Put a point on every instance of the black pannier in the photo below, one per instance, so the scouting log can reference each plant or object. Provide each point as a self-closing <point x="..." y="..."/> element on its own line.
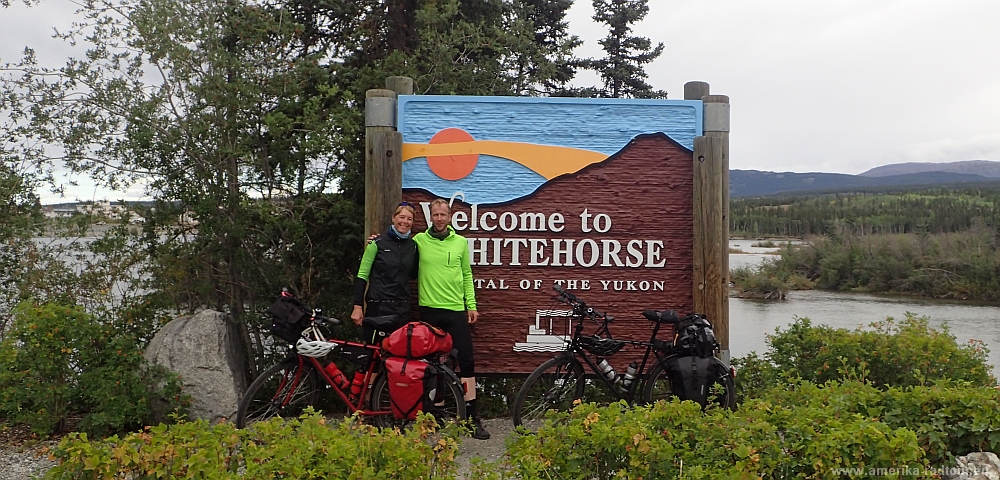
<point x="694" y="336"/>
<point x="289" y="318"/>
<point x="692" y="377"/>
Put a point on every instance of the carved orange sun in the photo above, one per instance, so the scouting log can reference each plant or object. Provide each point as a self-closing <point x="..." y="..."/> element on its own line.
<point x="452" y="167"/>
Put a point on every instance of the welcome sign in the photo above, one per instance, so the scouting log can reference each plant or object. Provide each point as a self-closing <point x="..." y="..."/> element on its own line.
<point x="594" y="195"/>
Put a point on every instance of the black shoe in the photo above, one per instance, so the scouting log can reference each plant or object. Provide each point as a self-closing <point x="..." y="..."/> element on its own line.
<point x="478" y="431"/>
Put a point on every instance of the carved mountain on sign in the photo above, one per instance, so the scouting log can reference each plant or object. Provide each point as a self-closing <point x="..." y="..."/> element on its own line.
<point x="616" y="233"/>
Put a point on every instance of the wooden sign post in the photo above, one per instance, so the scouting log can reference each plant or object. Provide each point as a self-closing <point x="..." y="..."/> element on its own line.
<point x="711" y="213"/>
<point x="383" y="147"/>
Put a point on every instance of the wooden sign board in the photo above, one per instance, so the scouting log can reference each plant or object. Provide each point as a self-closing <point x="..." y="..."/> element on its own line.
<point x="594" y="195"/>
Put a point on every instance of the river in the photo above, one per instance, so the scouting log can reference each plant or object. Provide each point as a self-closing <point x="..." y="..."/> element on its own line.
<point x="751" y="320"/>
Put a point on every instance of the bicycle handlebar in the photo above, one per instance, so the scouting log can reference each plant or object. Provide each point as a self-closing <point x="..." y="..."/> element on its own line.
<point x="316" y="317"/>
<point x="320" y="319"/>
<point x="571" y="299"/>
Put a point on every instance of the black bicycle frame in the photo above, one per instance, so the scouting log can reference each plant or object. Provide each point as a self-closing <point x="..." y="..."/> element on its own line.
<point x="629" y="394"/>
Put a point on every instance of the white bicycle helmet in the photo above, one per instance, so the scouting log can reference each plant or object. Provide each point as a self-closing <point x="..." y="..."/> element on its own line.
<point x="314" y="348"/>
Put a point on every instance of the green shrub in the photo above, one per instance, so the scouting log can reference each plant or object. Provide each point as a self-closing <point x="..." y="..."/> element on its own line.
<point x="57" y="362"/>
<point x="949" y="419"/>
<point x="765" y="287"/>
<point x="304" y="448"/>
<point x="960" y="265"/>
<point x="901" y="354"/>
<point x="677" y="440"/>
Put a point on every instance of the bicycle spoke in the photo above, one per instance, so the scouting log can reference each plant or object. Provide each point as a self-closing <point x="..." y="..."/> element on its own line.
<point x="284" y="390"/>
<point x="554" y="385"/>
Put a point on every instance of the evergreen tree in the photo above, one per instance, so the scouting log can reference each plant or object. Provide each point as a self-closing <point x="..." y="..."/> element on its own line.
<point x="252" y="117"/>
<point x="622" y="70"/>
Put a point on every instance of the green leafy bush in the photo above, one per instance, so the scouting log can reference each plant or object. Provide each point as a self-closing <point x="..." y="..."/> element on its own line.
<point x="949" y="419"/>
<point x="958" y="265"/>
<point x="751" y="284"/>
<point x="304" y="448"/>
<point x="677" y="440"/>
<point x="907" y="353"/>
<point x="57" y="362"/>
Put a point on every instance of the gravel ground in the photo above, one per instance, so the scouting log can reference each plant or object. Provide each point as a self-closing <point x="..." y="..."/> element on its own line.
<point x="30" y="459"/>
<point x="490" y="450"/>
<point x="24" y="462"/>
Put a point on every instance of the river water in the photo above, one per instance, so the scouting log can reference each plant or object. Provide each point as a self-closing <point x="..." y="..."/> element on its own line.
<point x="751" y="320"/>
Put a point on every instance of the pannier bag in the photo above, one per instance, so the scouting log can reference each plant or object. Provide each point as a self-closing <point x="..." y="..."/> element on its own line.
<point x="412" y="386"/>
<point x="417" y="340"/>
<point x="691" y="377"/>
<point x="694" y="336"/>
<point x="289" y="318"/>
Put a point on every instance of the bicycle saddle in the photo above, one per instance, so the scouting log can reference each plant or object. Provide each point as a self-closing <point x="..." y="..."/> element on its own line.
<point x="385" y="323"/>
<point x="661" y="316"/>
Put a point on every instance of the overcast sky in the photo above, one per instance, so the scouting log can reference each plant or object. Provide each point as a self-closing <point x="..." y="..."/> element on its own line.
<point x="815" y="86"/>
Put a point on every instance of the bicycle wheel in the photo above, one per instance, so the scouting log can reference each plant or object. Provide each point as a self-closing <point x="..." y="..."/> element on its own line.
<point x="449" y="407"/>
<point x="721" y="390"/>
<point x="284" y="390"/>
<point x="554" y="385"/>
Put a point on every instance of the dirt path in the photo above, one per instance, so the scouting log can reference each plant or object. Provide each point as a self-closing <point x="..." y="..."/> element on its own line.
<point x="492" y="449"/>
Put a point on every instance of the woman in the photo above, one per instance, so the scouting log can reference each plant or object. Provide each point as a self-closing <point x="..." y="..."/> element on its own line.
<point x="387" y="266"/>
<point x="383" y="283"/>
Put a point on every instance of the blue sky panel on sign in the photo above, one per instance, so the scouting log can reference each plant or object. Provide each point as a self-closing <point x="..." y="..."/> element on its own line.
<point x="569" y="133"/>
<point x="601" y="125"/>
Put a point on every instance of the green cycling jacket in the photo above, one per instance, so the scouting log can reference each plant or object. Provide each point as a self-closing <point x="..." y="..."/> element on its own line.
<point x="444" y="274"/>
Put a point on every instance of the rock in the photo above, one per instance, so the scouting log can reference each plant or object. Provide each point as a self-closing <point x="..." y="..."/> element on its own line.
<point x="974" y="466"/>
<point x="204" y="349"/>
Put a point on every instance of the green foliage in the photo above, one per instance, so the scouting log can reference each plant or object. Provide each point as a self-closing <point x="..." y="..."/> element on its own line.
<point x="623" y="69"/>
<point x="800" y="430"/>
<point x="933" y="210"/>
<point x="949" y="419"/>
<point x="677" y="440"/>
<point x="904" y="354"/>
<point x="752" y="284"/>
<point x="250" y="120"/>
<point x="304" y="448"/>
<point x="20" y="219"/>
<point x="58" y="362"/>
<point x="956" y="265"/>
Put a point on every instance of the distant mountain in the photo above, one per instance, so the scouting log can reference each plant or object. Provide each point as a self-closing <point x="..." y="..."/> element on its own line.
<point x="755" y="183"/>
<point x="985" y="168"/>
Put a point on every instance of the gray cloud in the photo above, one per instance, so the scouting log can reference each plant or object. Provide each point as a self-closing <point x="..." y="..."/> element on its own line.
<point x="815" y="86"/>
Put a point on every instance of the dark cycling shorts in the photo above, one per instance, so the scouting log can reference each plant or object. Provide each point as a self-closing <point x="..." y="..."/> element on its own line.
<point x="457" y="324"/>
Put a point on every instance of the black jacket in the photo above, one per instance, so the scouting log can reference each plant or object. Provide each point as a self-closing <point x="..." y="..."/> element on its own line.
<point x="394" y="265"/>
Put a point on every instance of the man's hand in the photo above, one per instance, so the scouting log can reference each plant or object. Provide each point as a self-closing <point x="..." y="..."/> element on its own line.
<point x="357" y="315"/>
<point x="473" y="316"/>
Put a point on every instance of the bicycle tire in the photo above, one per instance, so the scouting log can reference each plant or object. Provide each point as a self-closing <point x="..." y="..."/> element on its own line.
<point x="284" y="390"/>
<point x="554" y="385"/>
<point x="722" y="392"/>
<point x="448" y="383"/>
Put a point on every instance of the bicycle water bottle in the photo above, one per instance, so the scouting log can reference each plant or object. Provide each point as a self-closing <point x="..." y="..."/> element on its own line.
<point x="630" y="374"/>
<point x="607" y="369"/>
<point x="357" y="384"/>
<point x="338" y="377"/>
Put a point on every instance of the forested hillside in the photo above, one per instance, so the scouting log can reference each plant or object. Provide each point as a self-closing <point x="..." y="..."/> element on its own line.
<point x="936" y="210"/>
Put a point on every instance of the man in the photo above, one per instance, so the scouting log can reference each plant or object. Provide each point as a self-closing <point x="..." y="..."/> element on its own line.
<point x="447" y="298"/>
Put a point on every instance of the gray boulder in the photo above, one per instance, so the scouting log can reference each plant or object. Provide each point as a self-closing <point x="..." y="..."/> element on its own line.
<point x="204" y="349"/>
<point x="974" y="466"/>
